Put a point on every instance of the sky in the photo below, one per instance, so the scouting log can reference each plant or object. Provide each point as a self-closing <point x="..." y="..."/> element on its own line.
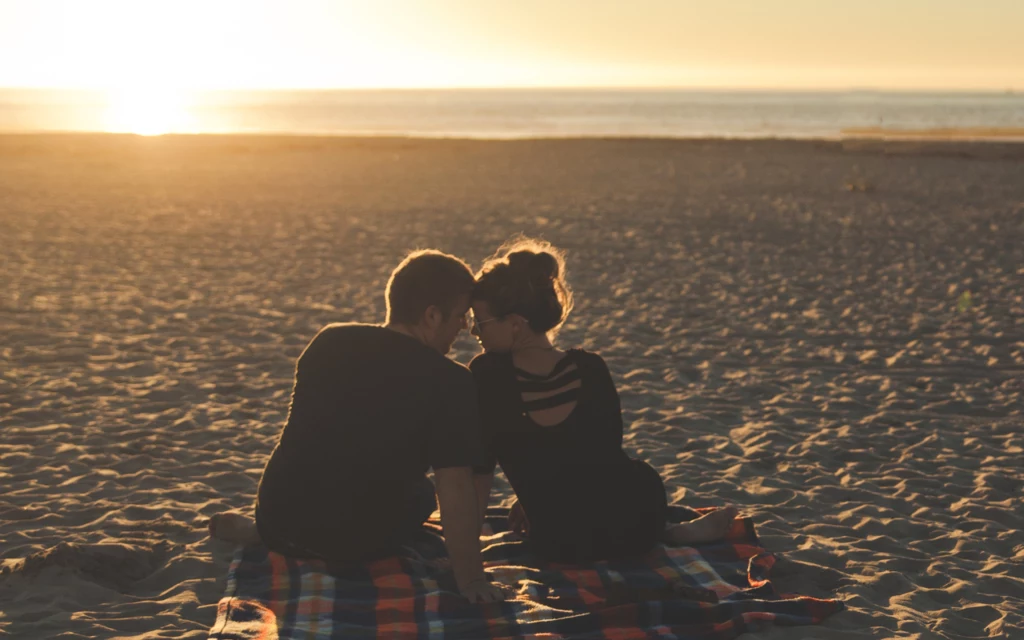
<point x="746" y="44"/>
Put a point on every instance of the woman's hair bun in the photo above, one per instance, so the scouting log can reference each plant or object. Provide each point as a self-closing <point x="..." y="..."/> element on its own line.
<point x="538" y="265"/>
<point x="527" y="276"/>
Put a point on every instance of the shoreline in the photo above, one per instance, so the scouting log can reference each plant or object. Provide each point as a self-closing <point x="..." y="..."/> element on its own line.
<point x="929" y="136"/>
<point x="90" y="143"/>
<point x="991" y="148"/>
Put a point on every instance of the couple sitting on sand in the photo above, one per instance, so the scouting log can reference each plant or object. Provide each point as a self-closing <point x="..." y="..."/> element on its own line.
<point x="375" y="407"/>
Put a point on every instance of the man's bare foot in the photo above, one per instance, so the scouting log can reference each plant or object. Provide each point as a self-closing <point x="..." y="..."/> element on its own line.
<point x="708" y="528"/>
<point x="234" y="527"/>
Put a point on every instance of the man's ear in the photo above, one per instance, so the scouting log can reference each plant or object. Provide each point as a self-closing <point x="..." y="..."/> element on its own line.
<point x="434" y="317"/>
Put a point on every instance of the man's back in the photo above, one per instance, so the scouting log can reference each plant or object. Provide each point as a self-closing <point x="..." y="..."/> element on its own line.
<point x="372" y="410"/>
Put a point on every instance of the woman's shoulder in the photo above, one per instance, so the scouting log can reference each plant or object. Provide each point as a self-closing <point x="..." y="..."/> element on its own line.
<point x="485" y="363"/>
<point x="587" y="359"/>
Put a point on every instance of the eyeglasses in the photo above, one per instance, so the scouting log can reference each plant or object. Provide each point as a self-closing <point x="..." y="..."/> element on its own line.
<point x="478" y="323"/>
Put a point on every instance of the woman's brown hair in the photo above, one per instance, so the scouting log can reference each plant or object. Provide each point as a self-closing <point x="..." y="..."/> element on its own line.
<point x="526" y="277"/>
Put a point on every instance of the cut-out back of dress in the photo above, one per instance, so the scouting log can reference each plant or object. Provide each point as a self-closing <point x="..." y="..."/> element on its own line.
<point x="550" y="399"/>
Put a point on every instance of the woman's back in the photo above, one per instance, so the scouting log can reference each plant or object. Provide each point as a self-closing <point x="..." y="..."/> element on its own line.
<point x="549" y="384"/>
<point x="568" y="416"/>
<point x="569" y="474"/>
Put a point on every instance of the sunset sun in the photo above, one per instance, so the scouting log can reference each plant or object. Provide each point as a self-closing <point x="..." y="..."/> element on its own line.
<point x="148" y="111"/>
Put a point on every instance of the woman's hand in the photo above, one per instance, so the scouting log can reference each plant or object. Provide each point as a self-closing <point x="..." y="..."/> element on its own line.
<point x="517" y="520"/>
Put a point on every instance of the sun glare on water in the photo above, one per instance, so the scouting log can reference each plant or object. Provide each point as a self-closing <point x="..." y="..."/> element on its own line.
<point x="147" y="111"/>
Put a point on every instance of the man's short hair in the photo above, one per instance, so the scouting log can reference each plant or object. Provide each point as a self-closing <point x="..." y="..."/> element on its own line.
<point x="424" y="279"/>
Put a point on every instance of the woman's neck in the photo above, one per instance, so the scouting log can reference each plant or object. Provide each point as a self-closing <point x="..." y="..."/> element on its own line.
<point x="536" y="354"/>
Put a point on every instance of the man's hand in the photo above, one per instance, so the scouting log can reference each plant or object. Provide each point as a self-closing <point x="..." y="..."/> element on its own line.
<point x="482" y="590"/>
<point x="517" y="520"/>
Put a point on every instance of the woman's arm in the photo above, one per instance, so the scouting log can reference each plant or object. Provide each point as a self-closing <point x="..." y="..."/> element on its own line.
<point x="607" y="397"/>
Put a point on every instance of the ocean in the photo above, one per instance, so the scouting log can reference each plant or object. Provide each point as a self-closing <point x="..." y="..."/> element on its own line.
<point x="501" y="113"/>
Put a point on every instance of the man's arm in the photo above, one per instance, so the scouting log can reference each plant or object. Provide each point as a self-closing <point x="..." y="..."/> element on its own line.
<point x="456" y="495"/>
<point x="483" y="483"/>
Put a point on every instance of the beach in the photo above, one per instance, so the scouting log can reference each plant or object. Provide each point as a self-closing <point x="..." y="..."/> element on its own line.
<point x="827" y="334"/>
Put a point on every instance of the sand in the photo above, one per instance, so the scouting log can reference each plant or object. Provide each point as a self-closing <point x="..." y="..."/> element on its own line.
<point x="829" y="335"/>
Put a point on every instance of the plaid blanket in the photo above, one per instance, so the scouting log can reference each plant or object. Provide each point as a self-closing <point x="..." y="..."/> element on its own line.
<point x="669" y="593"/>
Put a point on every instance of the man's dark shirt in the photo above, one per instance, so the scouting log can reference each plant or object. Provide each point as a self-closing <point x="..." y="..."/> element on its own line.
<point x="372" y="409"/>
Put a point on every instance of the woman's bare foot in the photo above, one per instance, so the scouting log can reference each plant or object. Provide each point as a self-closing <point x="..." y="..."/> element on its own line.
<point x="234" y="527"/>
<point x="708" y="528"/>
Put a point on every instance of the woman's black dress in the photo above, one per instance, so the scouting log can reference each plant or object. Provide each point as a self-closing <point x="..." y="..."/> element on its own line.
<point x="586" y="500"/>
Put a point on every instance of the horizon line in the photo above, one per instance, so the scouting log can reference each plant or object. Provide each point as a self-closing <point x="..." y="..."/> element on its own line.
<point x="539" y="88"/>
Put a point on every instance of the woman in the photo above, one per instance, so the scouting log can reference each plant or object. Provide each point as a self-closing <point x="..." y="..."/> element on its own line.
<point x="552" y="420"/>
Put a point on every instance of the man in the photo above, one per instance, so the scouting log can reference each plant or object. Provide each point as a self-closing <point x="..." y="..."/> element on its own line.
<point x="373" y="407"/>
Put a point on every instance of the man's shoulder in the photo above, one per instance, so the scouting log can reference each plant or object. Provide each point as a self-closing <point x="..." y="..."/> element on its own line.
<point x="336" y="335"/>
<point x="350" y="328"/>
<point x="341" y="331"/>
<point x="453" y="368"/>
